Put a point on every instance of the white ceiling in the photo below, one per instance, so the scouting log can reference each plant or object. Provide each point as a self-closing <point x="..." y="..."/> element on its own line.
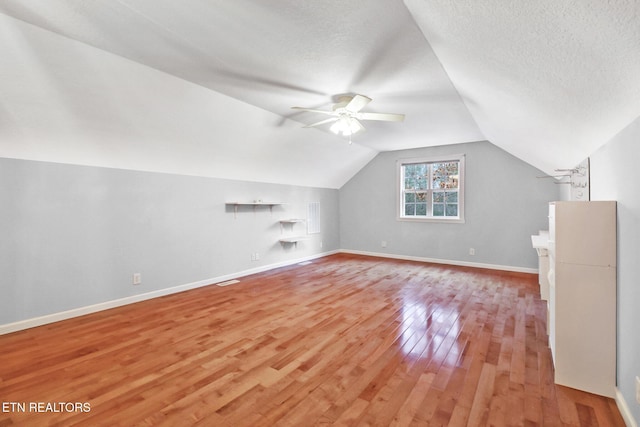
<point x="548" y="81"/>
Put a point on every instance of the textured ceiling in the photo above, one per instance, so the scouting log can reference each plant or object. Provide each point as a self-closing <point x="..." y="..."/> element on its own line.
<point x="548" y="81"/>
<point x="278" y="55"/>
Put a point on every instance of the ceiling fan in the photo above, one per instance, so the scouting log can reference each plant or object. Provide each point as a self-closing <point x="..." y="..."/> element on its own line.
<point x="346" y="115"/>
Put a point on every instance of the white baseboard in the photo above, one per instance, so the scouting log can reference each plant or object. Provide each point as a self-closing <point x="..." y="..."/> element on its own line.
<point x="444" y="261"/>
<point x="81" y="311"/>
<point x="624" y="410"/>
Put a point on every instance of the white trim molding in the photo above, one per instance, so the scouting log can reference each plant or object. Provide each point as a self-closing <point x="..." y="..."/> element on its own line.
<point x="624" y="410"/>
<point x="81" y="311"/>
<point x="444" y="261"/>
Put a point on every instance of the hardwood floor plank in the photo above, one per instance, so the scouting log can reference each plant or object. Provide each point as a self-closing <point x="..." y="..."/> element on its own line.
<point x="346" y="340"/>
<point x="483" y="396"/>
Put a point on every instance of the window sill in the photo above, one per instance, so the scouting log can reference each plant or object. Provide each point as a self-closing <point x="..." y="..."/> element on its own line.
<point x="432" y="219"/>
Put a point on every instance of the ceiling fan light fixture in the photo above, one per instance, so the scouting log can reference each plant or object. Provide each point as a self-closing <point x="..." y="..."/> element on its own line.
<point x="346" y="126"/>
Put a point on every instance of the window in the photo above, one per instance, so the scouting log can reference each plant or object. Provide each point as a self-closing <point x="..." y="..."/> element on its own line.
<point x="432" y="189"/>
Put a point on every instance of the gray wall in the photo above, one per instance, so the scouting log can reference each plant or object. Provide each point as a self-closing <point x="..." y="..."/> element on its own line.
<point x="73" y="236"/>
<point x="615" y="176"/>
<point x="504" y="204"/>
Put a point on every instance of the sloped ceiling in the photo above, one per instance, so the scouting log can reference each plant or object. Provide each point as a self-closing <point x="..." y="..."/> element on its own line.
<point x="63" y="101"/>
<point x="205" y="87"/>
<point x="549" y="81"/>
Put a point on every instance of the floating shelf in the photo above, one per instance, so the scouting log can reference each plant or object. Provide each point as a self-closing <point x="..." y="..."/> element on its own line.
<point x="254" y="204"/>
<point x="291" y="222"/>
<point x="293" y="240"/>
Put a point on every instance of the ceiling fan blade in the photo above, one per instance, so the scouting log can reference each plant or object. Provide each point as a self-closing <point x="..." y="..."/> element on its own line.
<point x="311" y="110"/>
<point x="357" y="103"/>
<point x="332" y="119"/>
<point x="387" y="117"/>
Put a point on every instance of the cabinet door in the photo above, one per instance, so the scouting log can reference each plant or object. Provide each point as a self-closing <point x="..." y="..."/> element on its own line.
<point x="585" y="328"/>
<point x="585" y="233"/>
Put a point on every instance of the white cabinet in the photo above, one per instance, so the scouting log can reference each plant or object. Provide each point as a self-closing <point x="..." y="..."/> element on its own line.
<point x="582" y="295"/>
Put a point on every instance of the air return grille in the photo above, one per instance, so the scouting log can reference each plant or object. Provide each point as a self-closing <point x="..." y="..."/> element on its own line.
<point x="227" y="283"/>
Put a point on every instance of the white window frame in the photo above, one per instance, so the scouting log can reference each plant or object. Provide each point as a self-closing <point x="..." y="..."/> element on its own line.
<point x="429" y="217"/>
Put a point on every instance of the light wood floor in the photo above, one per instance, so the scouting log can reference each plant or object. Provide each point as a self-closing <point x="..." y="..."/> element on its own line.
<point x="347" y="340"/>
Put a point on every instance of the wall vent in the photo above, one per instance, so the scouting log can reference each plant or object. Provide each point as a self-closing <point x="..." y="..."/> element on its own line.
<point x="227" y="283"/>
<point x="313" y="218"/>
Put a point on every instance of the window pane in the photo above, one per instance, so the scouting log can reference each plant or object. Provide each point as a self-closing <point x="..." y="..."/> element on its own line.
<point x="452" y="182"/>
<point x="438" y="197"/>
<point x="445" y="175"/>
<point x="451" y="196"/>
<point x="439" y="175"/>
<point x="409" y="177"/>
<point x="422" y="175"/>
<point x="415" y="204"/>
<point x="424" y="171"/>
<point x="415" y="176"/>
<point x="452" y="210"/>
<point x="438" y="209"/>
<point x="452" y="175"/>
<point x="409" y="210"/>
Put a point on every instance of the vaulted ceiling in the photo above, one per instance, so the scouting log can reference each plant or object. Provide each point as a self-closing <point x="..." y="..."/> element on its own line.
<point x="205" y="87"/>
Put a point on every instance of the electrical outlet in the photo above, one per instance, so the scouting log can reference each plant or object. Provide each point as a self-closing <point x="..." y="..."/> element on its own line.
<point x="472" y="251"/>
<point x="638" y="389"/>
<point x="257" y="256"/>
<point x="383" y="244"/>
<point x="137" y="278"/>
